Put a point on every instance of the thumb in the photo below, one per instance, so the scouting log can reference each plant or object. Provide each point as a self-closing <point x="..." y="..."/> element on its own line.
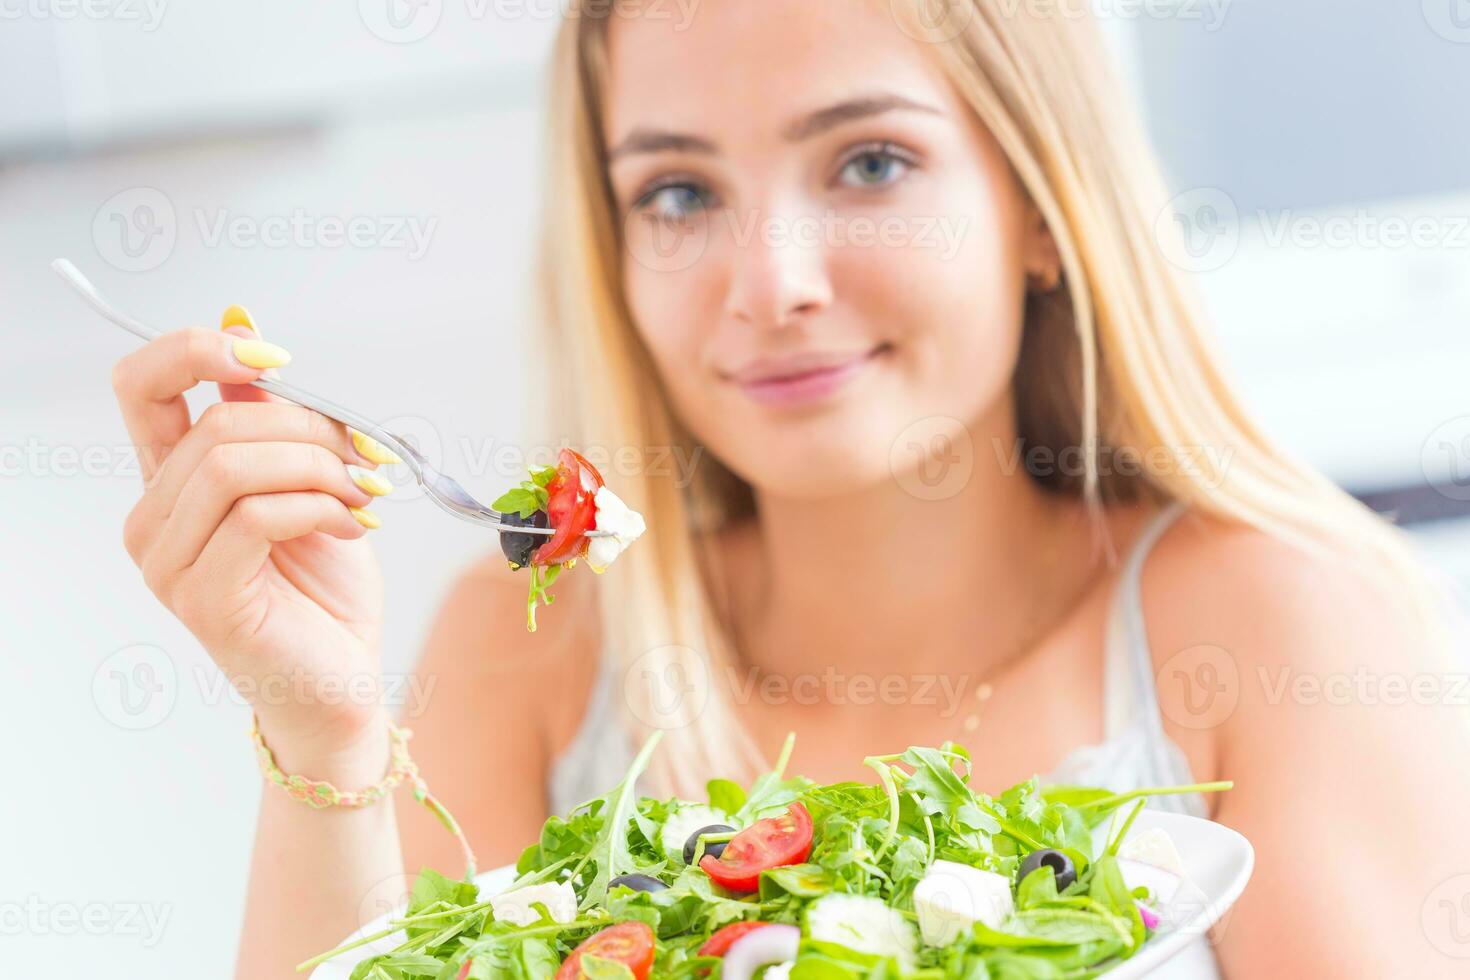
<point x="237" y="322"/>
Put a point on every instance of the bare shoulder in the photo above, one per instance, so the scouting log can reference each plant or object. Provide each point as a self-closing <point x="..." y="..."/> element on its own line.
<point x="483" y="617"/>
<point x="1269" y="601"/>
<point x="1248" y="633"/>
<point x="500" y="703"/>
<point x="1312" y="682"/>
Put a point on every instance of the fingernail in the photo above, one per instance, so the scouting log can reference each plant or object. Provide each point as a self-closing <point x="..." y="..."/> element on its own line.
<point x="369" y="482"/>
<point x="366" y="518"/>
<point x="260" y="354"/>
<point x="372" y="450"/>
<point x="238" y="316"/>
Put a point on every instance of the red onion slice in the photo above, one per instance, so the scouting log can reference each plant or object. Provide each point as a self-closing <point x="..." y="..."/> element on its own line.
<point x="1150" y="917"/>
<point x="758" y="948"/>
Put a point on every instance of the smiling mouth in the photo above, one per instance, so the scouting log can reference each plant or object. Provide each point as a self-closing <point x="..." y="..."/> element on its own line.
<point x="805" y="379"/>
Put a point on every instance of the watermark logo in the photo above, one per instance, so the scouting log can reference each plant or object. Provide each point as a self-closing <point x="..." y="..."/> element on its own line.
<point x="1445" y="458"/>
<point x="400" y="21"/>
<point x="665" y="243"/>
<point x="136" y="687"/>
<point x="667" y="687"/>
<point x="1199" y="687"/>
<point x="933" y="458"/>
<point x="135" y="230"/>
<point x="1445" y="916"/>
<point x="1199" y="230"/>
<point x="932" y="21"/>
<point x="1450" y="19"/>
<point x="423" y="436"/>
<point x="389" y="896"/>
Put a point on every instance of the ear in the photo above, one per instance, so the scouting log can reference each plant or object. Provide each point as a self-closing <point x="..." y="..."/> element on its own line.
<point x="1042" y="261"/>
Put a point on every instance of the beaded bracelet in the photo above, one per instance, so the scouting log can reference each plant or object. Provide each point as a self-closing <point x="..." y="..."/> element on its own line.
<point x="320" y="794"/>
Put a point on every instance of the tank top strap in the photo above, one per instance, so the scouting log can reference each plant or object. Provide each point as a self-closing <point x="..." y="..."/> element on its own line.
<point x="1129" y="693"/>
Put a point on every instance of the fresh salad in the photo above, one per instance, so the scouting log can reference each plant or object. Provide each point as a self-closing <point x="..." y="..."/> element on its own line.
<point x="571" y="499"/>
<point x="916" y="876"/>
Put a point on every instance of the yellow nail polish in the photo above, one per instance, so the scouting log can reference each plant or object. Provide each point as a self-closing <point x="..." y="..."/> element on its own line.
<point x="370" y="482"/>
<point x="366" y="518"/>
<point x="260" y="354"/>
<point x="373" y="450"/>
<point x="238" y="316"/>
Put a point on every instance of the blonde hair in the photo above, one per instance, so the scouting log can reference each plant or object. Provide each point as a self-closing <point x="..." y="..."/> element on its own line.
<point x="1137" y="371"/>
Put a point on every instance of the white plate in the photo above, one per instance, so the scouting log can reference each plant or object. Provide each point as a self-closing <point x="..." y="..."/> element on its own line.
<point x="1217" y="859"/>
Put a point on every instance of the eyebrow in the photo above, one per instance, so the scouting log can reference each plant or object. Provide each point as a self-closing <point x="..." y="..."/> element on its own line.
<point x="657" y="140"/>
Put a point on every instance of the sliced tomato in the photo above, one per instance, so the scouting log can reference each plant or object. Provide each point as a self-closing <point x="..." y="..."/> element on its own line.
<point x="770" y="843"/>
<point x="571" y="509"/>
<point x="719" y="944"/>
<point x="464" y="970"/>
<point x="628" y="943"/>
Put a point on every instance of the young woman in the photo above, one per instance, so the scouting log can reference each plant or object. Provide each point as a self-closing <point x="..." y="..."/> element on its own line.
<point x="968" y="469"/>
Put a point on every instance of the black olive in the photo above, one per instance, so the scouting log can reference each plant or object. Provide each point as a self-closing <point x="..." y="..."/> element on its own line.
<point x="1061" y="866"/>
<point x="517" y="548"/>
<point x="712" y="848"/>
<point x="639" y="883"/>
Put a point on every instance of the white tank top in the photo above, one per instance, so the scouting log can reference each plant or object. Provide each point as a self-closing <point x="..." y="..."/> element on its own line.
<point x="1135" y="751"/>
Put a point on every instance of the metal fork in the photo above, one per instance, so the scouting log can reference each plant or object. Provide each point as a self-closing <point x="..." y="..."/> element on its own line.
<point x="441" y="489"/>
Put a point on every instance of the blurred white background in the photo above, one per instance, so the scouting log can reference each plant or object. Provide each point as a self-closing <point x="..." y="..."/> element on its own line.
<point x="188" y="157"/>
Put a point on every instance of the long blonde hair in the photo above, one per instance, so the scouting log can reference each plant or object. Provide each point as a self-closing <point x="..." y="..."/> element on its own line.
<point x="1115" y="361"/>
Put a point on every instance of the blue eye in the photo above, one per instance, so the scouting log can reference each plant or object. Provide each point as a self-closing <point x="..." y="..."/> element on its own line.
<point x="875" y="167"/>
<point x="672" y="202"/>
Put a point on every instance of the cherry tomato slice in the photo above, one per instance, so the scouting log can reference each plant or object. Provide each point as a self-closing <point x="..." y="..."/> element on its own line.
<point x="770" y="843"/>
<point x="571" y="509"/>
<point x="719" y="944"/>
<point x="628" y="943"/>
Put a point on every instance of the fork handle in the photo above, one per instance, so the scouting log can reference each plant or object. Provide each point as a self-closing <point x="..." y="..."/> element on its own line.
<point x="275" y="386"/>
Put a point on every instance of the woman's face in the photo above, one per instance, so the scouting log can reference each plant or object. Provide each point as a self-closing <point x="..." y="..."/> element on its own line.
<point x="824" y="247"/>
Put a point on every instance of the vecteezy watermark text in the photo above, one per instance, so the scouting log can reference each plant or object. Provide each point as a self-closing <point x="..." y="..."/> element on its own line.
<point x="36" y="916"/>
<point x="148" y="14"/>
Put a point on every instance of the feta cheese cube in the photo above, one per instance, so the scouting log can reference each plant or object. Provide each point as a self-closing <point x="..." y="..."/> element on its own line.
<point x="625" y="524"/>
<point x="1153" y="847"/>
<point x="951" y="897"/>
<point x="515" y="907"/>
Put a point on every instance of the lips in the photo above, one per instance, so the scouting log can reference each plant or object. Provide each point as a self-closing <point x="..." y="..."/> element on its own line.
<point x="803" y="378"/>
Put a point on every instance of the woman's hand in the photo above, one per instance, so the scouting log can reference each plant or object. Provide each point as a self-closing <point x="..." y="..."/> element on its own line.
<point x="250" y="531"/>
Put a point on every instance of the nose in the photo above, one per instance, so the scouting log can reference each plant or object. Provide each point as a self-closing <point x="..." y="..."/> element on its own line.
<point x="779" y="274"/>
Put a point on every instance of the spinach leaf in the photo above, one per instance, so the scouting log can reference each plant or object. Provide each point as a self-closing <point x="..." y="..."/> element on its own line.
<point x="725" y="795"/>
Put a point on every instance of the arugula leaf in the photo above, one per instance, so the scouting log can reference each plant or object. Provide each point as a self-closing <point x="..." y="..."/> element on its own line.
<point x="609" y="852"/>
<point x="542" y="577"/>
<point x="772" y="792"/>
<point x="941" y="792"/>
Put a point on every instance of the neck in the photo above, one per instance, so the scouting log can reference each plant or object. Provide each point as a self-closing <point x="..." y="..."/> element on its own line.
<point x="880" y="576"/>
